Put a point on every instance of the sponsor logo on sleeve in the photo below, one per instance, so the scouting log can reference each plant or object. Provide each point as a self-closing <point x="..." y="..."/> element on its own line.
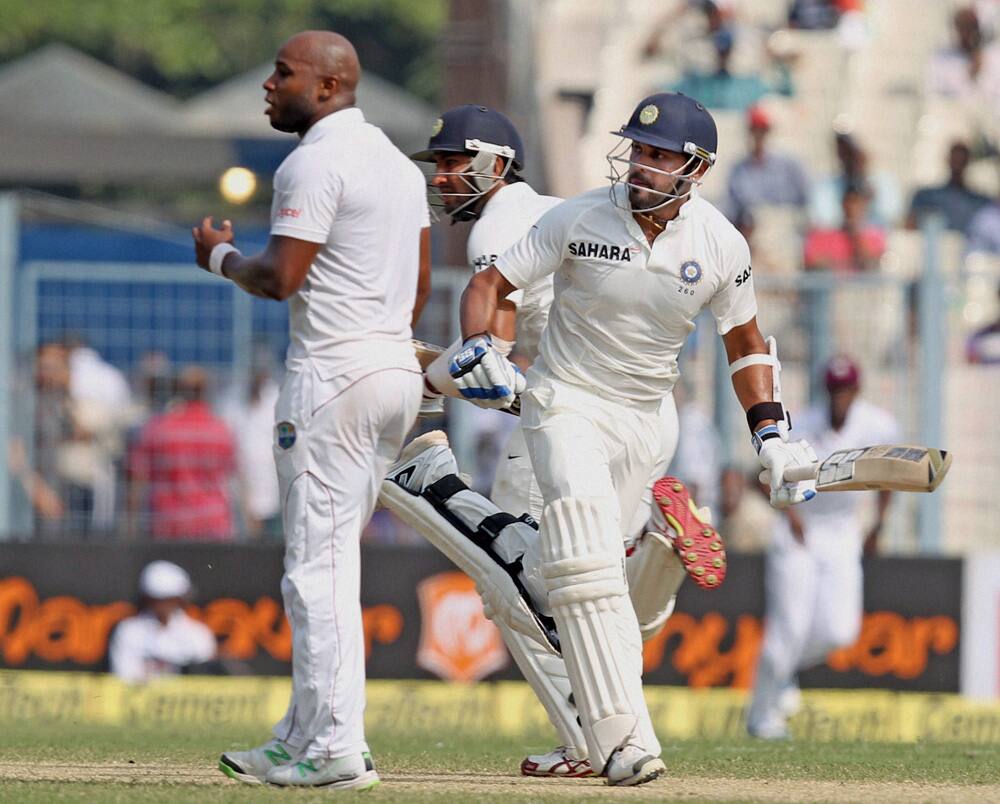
<point x="743" y="277"/>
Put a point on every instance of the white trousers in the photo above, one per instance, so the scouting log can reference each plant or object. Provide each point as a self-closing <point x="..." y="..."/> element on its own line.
<point x="814" y="606"/>
<point x="334" y="444"/>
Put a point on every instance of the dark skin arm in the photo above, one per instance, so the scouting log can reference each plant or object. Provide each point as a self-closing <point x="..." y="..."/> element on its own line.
<point x="424" y="277"/>
<point x="871" y="539"/>
<point x="276" y="273"/>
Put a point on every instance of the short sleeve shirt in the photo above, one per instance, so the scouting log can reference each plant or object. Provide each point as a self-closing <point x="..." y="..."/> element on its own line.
<point x="508" y="214"/>
<point x="347" y="187"/>
<point x="623" y="309"/>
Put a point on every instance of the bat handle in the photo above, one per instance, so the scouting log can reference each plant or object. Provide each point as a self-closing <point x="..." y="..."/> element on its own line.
<point x="795" y="474"/>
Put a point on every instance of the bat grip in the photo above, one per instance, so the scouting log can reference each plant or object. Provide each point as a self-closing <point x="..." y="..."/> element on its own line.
<point x="795" y="474"/>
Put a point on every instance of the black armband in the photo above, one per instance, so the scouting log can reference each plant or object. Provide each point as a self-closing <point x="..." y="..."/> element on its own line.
<point x="767" y="410"/>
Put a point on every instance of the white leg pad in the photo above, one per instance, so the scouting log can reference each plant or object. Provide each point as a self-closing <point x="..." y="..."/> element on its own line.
<point x="655" y="573"/>
<point x="583" y="565"/>
<point x="545" y="671"/>
<point x="501" y="597"/>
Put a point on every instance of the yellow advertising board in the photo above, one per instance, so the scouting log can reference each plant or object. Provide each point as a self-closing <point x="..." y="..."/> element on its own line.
<point x="506" y="707"/>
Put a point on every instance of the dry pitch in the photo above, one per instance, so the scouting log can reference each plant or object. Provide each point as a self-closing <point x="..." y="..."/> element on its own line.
<point x="87" y="763"/>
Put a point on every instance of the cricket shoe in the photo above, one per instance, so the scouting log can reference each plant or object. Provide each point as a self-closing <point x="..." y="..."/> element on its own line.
<point x="424" y="460"/>
<point x="252" y="766"/>
<point x="351" y="772"/>
<point x="695" y="540"/>
<point x="630" y="765"/>
<point x="773" y="730"/>
<point x="558" y="762"/>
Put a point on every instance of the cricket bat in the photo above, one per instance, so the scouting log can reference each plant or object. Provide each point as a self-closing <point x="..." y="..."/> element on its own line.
<point x="888" y="467"/>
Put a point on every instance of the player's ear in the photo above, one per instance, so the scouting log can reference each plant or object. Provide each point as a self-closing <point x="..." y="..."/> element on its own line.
<point x="328" y="87"/>
<point x="498" y="166"/>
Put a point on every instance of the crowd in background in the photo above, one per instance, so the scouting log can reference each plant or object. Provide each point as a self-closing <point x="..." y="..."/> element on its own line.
<point x="171" y="453"/>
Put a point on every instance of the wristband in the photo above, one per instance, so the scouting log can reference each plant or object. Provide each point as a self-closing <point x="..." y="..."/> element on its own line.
<point x="219" y="253"/>
<point x="765" y="410"/>
<point x="765" y="433"/>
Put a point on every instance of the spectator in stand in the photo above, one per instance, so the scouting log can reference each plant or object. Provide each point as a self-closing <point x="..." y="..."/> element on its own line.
<point x="855" y="246"/>
<point x="814" y="15"/>
<point x="723" y="90"/>
<point x="984" y="230"/>
<point x="984" y="345"/>
<point x="970" y="70"/>
<point x="746" y="517"/>
<point x="697" y="459"/>
<point x="826" y="209"/>
<point x="258" y="475"/>
<point x="765" y="177"/>
<point x="161" y="639"/>
<point x="183" y="466"/>
<point x="952" y="200"/>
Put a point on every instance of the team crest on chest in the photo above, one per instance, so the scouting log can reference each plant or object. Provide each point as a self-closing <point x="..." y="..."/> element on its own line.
<point x="691" y="273"/>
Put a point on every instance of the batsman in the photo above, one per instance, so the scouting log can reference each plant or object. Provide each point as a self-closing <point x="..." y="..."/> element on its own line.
<point x="633" y="267"/>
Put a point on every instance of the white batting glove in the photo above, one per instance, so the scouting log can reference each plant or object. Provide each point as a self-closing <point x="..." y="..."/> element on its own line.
<point x="777" y="456"/>
<point x="484" y="376"/>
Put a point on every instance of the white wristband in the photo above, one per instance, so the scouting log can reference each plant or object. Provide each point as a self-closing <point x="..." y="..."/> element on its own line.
<point x="218" y="255"/>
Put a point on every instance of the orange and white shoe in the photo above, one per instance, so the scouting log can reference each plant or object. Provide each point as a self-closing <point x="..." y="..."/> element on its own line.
<point x="557" y="763"/>
<point x="696" y="541"/>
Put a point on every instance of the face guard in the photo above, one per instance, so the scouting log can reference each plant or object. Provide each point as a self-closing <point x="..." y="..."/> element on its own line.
<point x="478" y="177"/>
<point x="685" y="179"/>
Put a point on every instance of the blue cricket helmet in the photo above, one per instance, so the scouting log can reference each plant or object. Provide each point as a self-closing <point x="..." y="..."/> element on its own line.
<point x="464" y="129"/>
<point x="673" y="122"/>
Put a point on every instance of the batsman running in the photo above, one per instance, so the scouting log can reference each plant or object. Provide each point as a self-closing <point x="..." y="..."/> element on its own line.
<point x="632" y="270"/>
<point x="477" y="155"/>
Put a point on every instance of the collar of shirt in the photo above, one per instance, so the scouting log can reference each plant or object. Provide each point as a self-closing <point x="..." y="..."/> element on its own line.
<point x="350" y="116"/>
<point x="507" y="196"/>
<point x="633" y="227"/>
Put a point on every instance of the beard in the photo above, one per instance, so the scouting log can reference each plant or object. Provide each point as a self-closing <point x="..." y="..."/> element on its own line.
<point x="293" y="117"/>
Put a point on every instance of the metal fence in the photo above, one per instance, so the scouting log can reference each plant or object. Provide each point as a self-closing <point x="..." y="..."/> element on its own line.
<point x="906" y="328"/>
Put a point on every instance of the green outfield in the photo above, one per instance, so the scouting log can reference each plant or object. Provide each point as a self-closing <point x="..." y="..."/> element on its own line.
<point x="104" y="763"/>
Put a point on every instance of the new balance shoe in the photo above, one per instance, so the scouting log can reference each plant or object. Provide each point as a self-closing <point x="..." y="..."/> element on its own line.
<point x="559" y="763"/>
<point x="351" y="772"/>
<point x="631" y="764"/>
<point x="425" y="459"/>
<point x="696" y="540"/>
<point x="252" y="766"/>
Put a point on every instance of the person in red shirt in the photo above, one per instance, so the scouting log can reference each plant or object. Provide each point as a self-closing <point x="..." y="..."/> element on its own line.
<point x="856" y="246"/>
<point x="182" y="468"/>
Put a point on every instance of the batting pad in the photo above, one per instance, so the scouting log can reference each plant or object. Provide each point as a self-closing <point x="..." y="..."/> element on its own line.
<point x="546" y="672"/>
<point x="583" y="566"/>
<point x="500" y="595"/>
<point x="655" y="573"/>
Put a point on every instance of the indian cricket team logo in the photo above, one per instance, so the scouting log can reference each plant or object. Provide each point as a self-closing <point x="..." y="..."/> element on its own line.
<point x="286" y="434"/>
<point x="691" y="273"/>
<point x="438" y="125"/>
<point x="649" y="114"/>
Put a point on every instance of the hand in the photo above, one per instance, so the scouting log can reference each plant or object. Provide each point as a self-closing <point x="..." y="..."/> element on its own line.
<point x="484" y="376"/>
<point x="776" y="456"/>
<point x="207" y="237"/>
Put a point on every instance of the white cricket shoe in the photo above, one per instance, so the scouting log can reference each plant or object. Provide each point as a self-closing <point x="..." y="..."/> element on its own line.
<point x="558" y="762"/>
<point x="774" y="729"/>
<point x="631" y="765"/>
<point x="351" y="772"/>
<point x="425" y="459"/>
<point x="252" y="766"/>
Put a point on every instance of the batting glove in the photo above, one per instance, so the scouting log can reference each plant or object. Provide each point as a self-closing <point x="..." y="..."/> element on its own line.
<point x="484" y="376"/>
<point x="777" y="456"/>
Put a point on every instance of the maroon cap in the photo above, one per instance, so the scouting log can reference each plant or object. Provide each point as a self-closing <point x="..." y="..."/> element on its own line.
<point x="842" y="372"/>
<point x="757" y="117"/>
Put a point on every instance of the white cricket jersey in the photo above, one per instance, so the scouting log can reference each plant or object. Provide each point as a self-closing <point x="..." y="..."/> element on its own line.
<point x="348" y="187"/>
<point x="866" y="425"/>
<point x="623" y="309"/>
<point x="142" y="647"/>
<point x="505" y="219"/>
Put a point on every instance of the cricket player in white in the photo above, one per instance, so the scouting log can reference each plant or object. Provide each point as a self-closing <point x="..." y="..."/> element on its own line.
<point x="477" y="153"/>
<point x="347" y="251"/>
<point x="813" y="581"/>
<point x="632" y="271"/>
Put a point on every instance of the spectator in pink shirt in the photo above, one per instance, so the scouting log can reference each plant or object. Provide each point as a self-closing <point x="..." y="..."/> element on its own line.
<point x="855" y="246"/>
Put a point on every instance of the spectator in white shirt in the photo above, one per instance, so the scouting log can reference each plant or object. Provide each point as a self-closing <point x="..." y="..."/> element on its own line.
<point x="161" y="639"/>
